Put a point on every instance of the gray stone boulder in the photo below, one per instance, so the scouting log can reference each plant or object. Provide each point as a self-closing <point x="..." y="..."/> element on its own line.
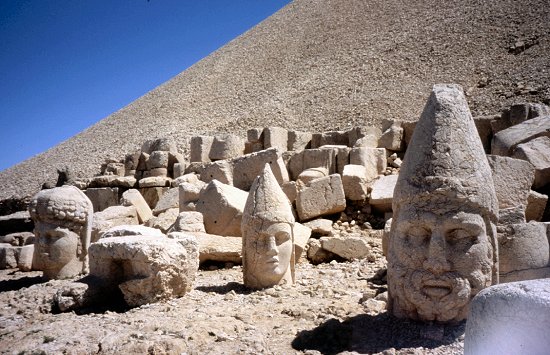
<point x="505" y="142"/>
<point x="321" y="197"/>
<point x="536" y="152"/>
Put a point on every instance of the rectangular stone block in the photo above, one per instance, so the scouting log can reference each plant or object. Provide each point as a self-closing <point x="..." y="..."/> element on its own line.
<point x="373" y="159"/>
<point x="312" y="158"/>
<point x="275" y="137"/>
<point x="134" y="198"/>
<point x="221" y="170"/>
<point x="381" y="196"/>
<point x="152" y="195"/>
<point x="8" y="256"/>
<point x="102" y="197"/>
<point x="157" y="159"/>
<point x="24" y="263"/>
<point x="364" y="136"/>
<point x="341" y="155"/>
<point x="505" y="141"/>
<point x="392" y="138"/>
<point x="485" y="131"/>
<point x="226" y="146"/>
<point x="247" y="167"/>
<point x="200" y="148"/>
<point x="536" y="204"/>
<point x="167" y="201"/>
<point x="321" y="197"/>
<point x="298" y="140"/>
<point x="536" y="152"/>
<point x="329" y="138"/>
<point x="512" y="178"/>
<point x="354" y="179"/>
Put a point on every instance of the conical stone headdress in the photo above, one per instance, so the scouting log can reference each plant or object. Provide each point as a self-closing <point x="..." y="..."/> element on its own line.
<point x="445" y="159"/>
<point x="267" y="201"/>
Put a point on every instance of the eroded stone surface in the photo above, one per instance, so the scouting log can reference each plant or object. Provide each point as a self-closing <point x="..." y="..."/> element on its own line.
<point x="321" y="197"/>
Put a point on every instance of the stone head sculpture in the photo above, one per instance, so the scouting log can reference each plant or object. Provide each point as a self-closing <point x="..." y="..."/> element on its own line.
<point x="63" y="225"/>
<point x="442" y="248"/>
<point x="268" y="234"/>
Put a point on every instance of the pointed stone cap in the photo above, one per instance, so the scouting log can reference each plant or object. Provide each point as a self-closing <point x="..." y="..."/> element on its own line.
<point x="267" y="201"/>
<point x="445" y="160"/>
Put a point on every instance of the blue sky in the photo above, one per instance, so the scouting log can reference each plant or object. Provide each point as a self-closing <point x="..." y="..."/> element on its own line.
<point x="65" y="65"/>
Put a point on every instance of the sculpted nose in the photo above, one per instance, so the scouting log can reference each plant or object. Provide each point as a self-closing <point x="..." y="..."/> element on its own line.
<point x="437" y="262"/>
<point x="271" y="246"/>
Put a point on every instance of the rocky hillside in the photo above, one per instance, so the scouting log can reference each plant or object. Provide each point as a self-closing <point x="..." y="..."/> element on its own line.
<point x="326" y="64"/>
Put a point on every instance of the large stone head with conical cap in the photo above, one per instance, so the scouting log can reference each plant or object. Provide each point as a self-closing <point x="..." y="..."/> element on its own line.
<point x="268" y="228"/>
<point x="442" y="249"/>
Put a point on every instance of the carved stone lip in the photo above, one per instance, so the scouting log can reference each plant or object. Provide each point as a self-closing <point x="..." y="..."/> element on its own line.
<point x="436" y="288"/>
<point x="273" y="260"/>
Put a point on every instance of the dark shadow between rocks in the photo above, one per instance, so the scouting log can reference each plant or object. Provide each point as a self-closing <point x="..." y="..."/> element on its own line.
<point x="224" y="289"/>
<point x="372" y="334"/>
<point x="14" y="285"/>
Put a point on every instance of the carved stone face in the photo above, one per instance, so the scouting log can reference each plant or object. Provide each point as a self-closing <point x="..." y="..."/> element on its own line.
<point x="268" y="253"/>
<point x="57" y="251"/>
<point x="437" y="262"/>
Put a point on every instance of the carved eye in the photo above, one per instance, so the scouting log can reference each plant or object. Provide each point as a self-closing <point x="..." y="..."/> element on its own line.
<point x="418" y="234"/>
<point x="460" y="234"/>
<point x="282" y="237"/>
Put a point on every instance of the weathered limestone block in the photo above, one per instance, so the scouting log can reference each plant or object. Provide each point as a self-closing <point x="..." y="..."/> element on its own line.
<point x="392" y="138"/>
<point x="178" y="170"/>
<point x="255" y="135"/>
<point x="132" y="197"/>
<point x="536" y="203"/>
<point x="156" y="172"/>
<point x="381" y="196"/>
<point x="162" y="144"/>
<point x="189" y="192"/>
<point x="312" y="158"/>
<point x="505" y="142"/>
<point x="200" y="148"/>
<point x="8" y="256"/>
<point x="26" y="256"/>
<point x="269" y="235"/>
<point x="291" y="190"/>
<point x="321" y="197"/>
<point x="167" y="201"/>
<point x="146" y="269"/>
<point x="221" y="170"/>
<point x="226" y="147"/>
<point x="154" y="181"/>
<point x="444" y="204"/>
<point x="512" y="179"/>
<point x="523" y="248"/>
<point x="320" y="227"/>
<point x="341" y="154"/>
<point x="247" y="167"/>
<point x="215" y="247"/>
<point x="349" y="248"/>
<point x="298" y="141"/>
<point x="354" y="179"/>
<point x="63" y="222"/>
<point x="222" y="207"/>
<point x="275" y="137"/>
<point x="311" y="174"/>
<point x="131" y="162"/>
<point x="329" y="138"/>
<point x="485" y="131"/>
<point x="189" y="221"/>
<point x="189" y="177"/>
<point x="113" y="168"/>
<point x="127" y="230"/>
<point x="16" y="222"/>
<point x="536" y="152"/>
<point x="112" y="217"/>
<point x="124" y="181"/>
<point x="386" y="236"/>
<point x="316" y="254"/>
<point x="18" y="239"/>
<point x="512" y="318"/>
<point x="373" y="159"/>
<point x="152" y="195"/>
<point x="364" y="136"/>
<point x="102" y="197"/>
<point x="511" y="215"/>
<point x="102" y="181"/>
<point x="165" y="220"/>
<point x="409" y="130"/>
<point x="157" y="159"/>
<point x="302" y="233"/>
<point x="522" y="112"/>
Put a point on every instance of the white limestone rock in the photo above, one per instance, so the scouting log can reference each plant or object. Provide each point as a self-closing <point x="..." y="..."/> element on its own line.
<point x="164" y="221"/>
<point x="215" y="247"/>
<point x="134" y="198"/>
<point x="321" y="197"/>
<point x="275" y="137"/>
<point x="247" y="167"/>
<point x="354" y="179"/>
<point x="189" y="221"/>
<point x="373" y="159"/>
<point x="382" y="193"/>
<point x="349" y="247"/>
<point x="127" y="230"/>
<point x="112" y="217"/>
<point x="167" y="201"/>
<point x="226" y="147"/>
<point x="200" y="148"/>
<point x="102" y="197"/>
<point x="512" y="178"/>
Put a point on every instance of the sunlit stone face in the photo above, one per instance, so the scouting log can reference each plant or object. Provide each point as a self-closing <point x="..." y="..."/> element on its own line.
<point x="57" y="251"/>
<point x="437" y="262"/>
<point x="268" y="253"/>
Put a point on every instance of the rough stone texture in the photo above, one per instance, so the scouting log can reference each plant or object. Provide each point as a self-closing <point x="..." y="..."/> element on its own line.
<point x="386" y="236"/>
<point x="349" y="248"/>
<point x="442" y="246"/>
<point x="165" y="220"/>
<point x="523" y="248"/>
<point x="8" y="256"/>
<point x="102" y="197"/>
<point x="512" y="318"/>
<point x="269" y="235"/>
<point x="159" y="144"/>
<point x="291" y="190"/>
<point x="381" y="196"/>
<point x="215" y="247"/>
<point x="511" y="215"/>
<point x="63" y="231"/>
<point x="19" y="238"/>
<point x="373" y="159"/>
<point x="247" y="167"/>
<point x="519" y="113"/>
<point x="316" y="254"/>
<point x="312" y="158"/>
<point x="321" y="197"/>
<point x="167" y="201"/>
<point x="146" y="269"/>
<point x="308" y="175"/>
<point x="226" y="146"/>
<point x="152" y="195"/>
<point x="155" y="181"/>
<point x="354" y="179"/>
<point x="512" y="179"/>
<point x="112" y="217"/>
<point x="275" y="137"/>
<point x="341" y="153"/>
<point x="200" y="148"/>
<point x="302" y="233"/>
<point x="485" y="131"/>
<point x="392" y="138"/>
<point x="190" y="221"/>
<point x="536" y="152"/>
<point x="320" y="227"/>
<point x="222" y="207"/>
<point x="298" y="140"/>
<point x="189" y="192"/>
<point x="26" y="256"/>
<point x="132" y="197"/>
<point x="157" y="159"/>
<point x="329" y="138"/>
<point x="16" y="222"/>
<point x="505" y="142"/>
<point x="155" y="172"/>
<point x="127" y="230"/>
<point x="221" y="170"/>
<point x="536" y="203"/>
<point x="364" y="136"/>
<point x="178" y="170"/>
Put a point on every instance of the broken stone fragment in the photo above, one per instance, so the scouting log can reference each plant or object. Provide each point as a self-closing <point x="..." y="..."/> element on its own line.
<point x="392" y="138"/>
<point x="373" y="159"/>
<point x="349" y="248"/>
<point x="167" y="201"/>
<point x="102" y="197"/>
<point x="164" y="220"/>
<point x="536" y="204"/>
<point x="189" y="221"/>
<point x="364" y="136"/>
<point x="354" y="179"/>
<point x="215" y="247"/>
<point x="505" y="142"/>
<point x="536" y="152"/>
<point x="275" y="137"/>
<point x="298" y="141"/>
<point x="221" y="170"/>
<point x="381" y="196"/>
<point x="247" y="167"/>
<point x="200" y="148"/>
<point x="321" y="197"/>
<point x="226" y="147"/>
<point x="512" y="179"/>
<point x="134" y="198"/>
<point x="155" y="181"/>
<point x="127" y="230"/>
<point x="112" y="217"/>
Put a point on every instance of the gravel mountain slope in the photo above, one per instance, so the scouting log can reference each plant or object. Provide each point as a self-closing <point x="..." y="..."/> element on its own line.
<point x="326" y="64"/>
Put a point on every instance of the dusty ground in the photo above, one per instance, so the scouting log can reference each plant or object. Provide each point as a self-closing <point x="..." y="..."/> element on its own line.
<point x="333" y="308"/>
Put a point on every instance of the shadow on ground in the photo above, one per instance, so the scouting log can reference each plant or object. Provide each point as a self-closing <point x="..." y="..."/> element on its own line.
<point x="17" y="284"/>
<point x="371" y="334"/>
<point x="223" y="289"/>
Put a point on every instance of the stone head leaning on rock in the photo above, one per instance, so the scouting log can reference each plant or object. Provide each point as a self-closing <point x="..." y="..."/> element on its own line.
<point x="268" y="234"/>
<point x="442" y="248"/>
<point x="63" y="222"/>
